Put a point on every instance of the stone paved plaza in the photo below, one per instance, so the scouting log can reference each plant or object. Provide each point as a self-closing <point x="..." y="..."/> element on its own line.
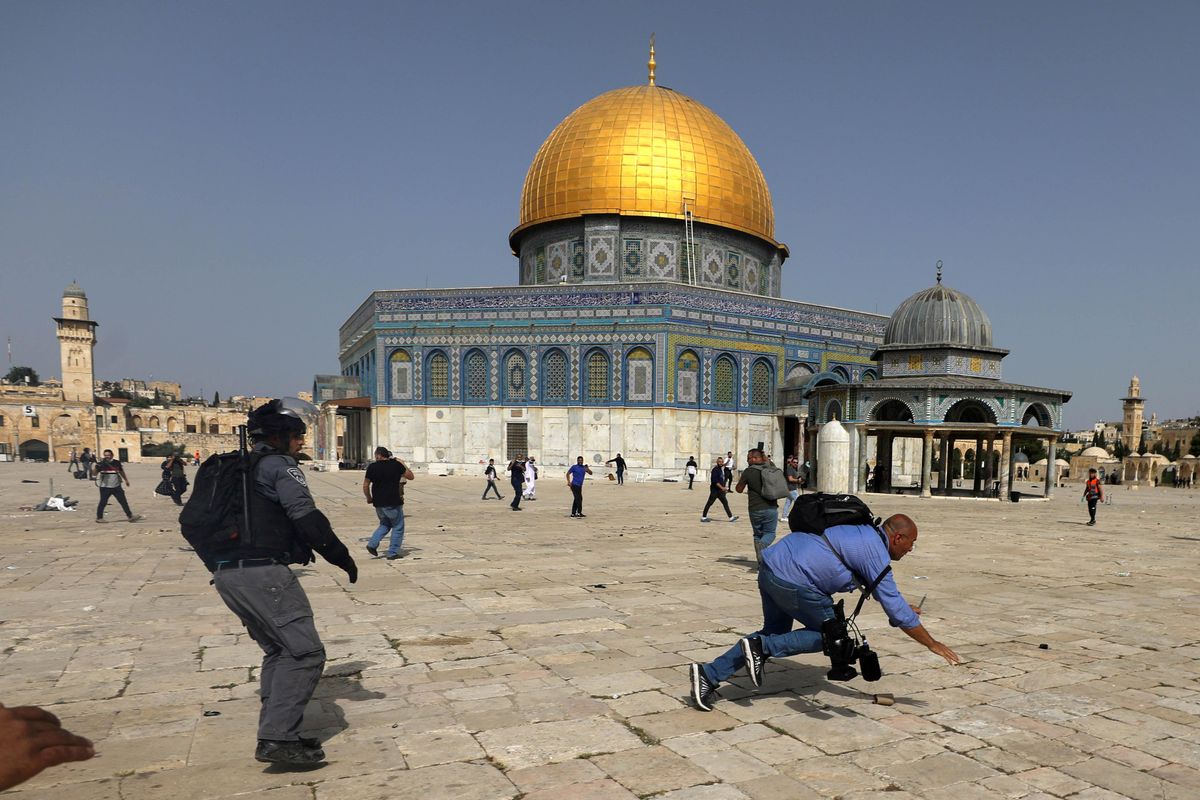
<point x="534" y="656"/>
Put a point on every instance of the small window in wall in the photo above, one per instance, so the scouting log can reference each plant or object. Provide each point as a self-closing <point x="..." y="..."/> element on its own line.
<point x="598" y="376"/>
<point x="477" y="377"/>
<point x="2" y="422"/>
<point x="113" y="419"/>
<point x="554" y="385"/>
<point x="99" y="420"/>
<point x="190" y="428"/>
<point x="439" y="377"/>
<point x="725" y="382"/>
<point x="760" y="385"/>
<point x="35" y="422"/>
<point x="214" y="428"/>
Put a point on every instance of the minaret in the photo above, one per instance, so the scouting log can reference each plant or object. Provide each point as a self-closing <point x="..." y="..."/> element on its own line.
<point x="1131" y="429"/>
<point x="76" y="340"/>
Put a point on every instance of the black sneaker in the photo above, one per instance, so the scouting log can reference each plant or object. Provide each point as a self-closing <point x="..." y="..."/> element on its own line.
<point x="704" y="693"/>
<point x="374" y="551"/>
<point x="752" y="649"/>
<point x="275" y="752"/>
<point x="394" y="556"/>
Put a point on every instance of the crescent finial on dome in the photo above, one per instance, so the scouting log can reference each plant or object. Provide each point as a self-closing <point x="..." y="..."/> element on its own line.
<point x="651" y="64"/>
<point x="939" y="271"/>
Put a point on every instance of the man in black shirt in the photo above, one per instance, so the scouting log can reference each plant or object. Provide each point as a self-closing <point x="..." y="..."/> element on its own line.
<point x="490" y="474"/>
<point x="718" y="486"/>
<point x="384" y="490"/>
<point x="620" y="463"/>
<point x="516" y="476"/>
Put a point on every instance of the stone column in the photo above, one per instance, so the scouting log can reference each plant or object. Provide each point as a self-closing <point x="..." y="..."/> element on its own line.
<point x="1007" y="480"/>
<point x="883" y="462"/>
<point x="926" y="463"/>
<point x="944" y="476"/>
<point x="978" y="472"/>
<point x="1050" y="457"/>
<point x="987" y="467"/>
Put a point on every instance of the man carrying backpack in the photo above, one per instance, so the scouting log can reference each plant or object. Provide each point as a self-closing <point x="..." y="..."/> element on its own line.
<point x="762" y="504"/>
<point x="1093" y="493"/>
<point x="796" y="582"/>
<point x="253" y="578"/>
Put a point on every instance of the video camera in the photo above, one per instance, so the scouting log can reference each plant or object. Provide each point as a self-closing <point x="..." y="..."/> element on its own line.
<point x="844" y="643"/>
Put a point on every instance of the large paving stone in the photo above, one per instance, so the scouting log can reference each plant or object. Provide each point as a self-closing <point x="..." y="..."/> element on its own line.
<point x="548" y="742"/>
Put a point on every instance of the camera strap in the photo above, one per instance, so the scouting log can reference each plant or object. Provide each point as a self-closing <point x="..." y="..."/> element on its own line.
<point x="867" y="588"/>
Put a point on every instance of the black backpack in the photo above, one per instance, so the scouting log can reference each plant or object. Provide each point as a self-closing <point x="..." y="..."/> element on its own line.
<point x="814" y="513"/>
<point x="216" y="517"/>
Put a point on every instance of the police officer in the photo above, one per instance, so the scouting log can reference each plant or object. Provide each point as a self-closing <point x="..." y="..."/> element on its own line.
<point x="256" y="583"/>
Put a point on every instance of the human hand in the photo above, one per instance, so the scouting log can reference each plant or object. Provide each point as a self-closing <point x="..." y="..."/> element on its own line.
<point x="32" y="739"/>
<point x="916" y="609"/>
<point x="945" y="652"/>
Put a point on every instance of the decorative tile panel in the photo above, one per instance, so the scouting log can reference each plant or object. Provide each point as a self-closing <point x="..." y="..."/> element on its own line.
<point x="733" y="270"/>
<point x="632" y="258"/>
<point x="663" y="260"/>
<point x="577" y="260"/>
<point x="712" y="272"/>
<point x="602" y="257"/>
<point x="556" y="261"/>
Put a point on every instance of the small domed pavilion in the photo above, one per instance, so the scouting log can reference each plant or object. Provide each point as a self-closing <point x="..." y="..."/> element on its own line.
<point x="940" y="383"/>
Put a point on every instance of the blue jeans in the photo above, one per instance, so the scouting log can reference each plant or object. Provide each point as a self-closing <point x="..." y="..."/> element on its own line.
<point x="783" y="603"/>
<point x="787" y="507"/>
<point x="763" y="523"/>
<point x="391" y="518"/>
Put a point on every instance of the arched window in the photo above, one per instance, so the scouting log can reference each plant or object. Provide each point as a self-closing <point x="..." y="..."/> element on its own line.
<point x="400" y="373"/>
<point x="761" y="385"/>
<point x="842" y="373"/>
<point x="799" y="373"/>
<point x="599" y="378"/>
<point x="172" y="425"/>
<point x="215" y="427"/>
<point x="137" y="422"/>
<point x="476" y="377"/>
<point x="687" y="378"/>
<point x="516" y="377"/>
<point x="725" y="383"/>
<point x="154" y="423"/>
<point x="439" y="376"/>
<point x="554" y="377"/>
<point x="833" y="410"/>
<point x="639" y="376"/>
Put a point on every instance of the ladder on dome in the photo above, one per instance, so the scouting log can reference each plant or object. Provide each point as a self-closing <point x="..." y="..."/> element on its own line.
<point x="689" y="245"/>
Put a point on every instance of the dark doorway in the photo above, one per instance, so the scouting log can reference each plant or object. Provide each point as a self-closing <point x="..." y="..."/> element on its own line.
<point x="791" y="437"/>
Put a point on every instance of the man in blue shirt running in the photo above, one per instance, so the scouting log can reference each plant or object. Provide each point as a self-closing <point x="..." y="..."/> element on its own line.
<point x="799" y="574"/>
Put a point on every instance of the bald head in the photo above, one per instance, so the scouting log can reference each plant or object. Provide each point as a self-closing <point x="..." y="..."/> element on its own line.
<point x="901" y="534"/>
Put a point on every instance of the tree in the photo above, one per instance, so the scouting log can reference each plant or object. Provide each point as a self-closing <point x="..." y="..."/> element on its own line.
<point x="139" y="402"/>
<point x="157" y="398"/>
<point x="1033" y="449"/>
<point x="1120" y="450"/>
<point x="19" y="374"/>
<point x="1195" y="448"/>
<point x="1100" y="439"/>
<point x="119" y="393"/>
<point x="1176" y="450"/>
<point x="216" y="398"/>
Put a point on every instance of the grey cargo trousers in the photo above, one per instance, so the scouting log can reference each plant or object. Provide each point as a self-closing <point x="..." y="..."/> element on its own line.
<point x="275" y="610"/>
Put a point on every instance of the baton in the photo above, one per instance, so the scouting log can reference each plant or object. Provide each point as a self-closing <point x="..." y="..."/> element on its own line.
<point x="921" y="604"/>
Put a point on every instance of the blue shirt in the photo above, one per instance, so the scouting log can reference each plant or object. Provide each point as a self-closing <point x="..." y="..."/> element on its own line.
<point x="577" y="471"/>
<point x="806" y="560"/>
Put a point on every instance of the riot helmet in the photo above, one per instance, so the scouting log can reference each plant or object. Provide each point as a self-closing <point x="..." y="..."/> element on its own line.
<point x="278" y="417"/>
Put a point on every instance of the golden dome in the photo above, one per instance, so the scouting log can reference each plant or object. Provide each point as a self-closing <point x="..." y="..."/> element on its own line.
<point x="645" y="151"/>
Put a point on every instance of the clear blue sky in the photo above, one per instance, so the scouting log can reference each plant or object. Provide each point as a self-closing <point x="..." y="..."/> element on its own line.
<point x="229" y="180"/>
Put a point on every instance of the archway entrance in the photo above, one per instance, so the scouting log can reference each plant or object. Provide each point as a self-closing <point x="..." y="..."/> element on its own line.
<point x="34" y="450"/>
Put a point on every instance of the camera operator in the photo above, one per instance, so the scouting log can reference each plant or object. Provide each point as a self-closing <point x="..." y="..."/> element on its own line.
<point x="797" y="578"/>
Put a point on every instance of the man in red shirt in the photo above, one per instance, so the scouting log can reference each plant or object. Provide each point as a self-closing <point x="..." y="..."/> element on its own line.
<point x="1093" y="493"/>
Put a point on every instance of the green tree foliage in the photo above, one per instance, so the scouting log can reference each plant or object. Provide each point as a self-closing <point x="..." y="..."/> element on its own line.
<point x="1195" y="447"/>
<point x="19" y="374"/>
<point x="139" y="402"/>
<point x="1100" y="442"/>
<point x="216" y="398"/>
<point x="1176" y="450"/>
<point x="1033" y="449"/>
<point x="1120" y="450"/>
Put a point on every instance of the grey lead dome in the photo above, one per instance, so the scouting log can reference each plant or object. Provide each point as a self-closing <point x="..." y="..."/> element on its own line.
<point x="938" y="315"/>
